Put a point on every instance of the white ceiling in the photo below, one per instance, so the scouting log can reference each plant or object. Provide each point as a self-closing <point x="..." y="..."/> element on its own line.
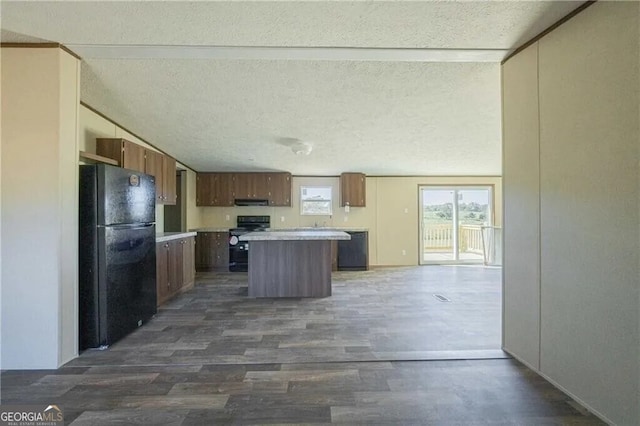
<point x="405" y="88"/>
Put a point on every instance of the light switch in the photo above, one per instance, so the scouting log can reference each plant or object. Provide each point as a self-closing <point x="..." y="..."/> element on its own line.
<point x="281" y="218"/>
<point x="406" y="210"/>
<point x="227" y="218"/>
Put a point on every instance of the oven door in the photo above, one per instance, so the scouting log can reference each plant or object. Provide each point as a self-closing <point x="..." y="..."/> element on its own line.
<point x="238" y="255"/>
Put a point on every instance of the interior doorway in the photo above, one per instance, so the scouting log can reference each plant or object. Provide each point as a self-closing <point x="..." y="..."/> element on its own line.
<point x="452" y="222"/>
<point x="174" y="215"/>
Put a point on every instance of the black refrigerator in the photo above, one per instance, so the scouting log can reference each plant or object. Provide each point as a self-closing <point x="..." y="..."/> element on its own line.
<point x="117" y="257"/>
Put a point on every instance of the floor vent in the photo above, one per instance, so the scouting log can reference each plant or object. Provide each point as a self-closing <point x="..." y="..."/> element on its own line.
<point x="441" y="298"/>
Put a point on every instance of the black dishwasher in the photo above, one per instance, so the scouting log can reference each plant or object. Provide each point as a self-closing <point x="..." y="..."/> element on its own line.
<point x="352" y="254"/>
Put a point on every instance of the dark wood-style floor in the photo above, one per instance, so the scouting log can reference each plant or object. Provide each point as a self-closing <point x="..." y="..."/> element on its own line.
<point x="381" y="350"/>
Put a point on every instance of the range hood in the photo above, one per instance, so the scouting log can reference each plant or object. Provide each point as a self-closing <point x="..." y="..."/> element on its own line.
<point x="250" y="202"/>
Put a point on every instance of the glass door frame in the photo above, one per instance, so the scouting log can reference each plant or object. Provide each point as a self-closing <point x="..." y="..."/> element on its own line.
<point x="456" y="242"/>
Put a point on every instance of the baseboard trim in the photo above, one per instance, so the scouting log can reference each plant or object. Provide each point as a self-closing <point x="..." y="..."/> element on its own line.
<point x="562" y="388"/>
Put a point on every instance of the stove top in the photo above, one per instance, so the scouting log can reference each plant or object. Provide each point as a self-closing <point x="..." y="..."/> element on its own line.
<point x="251" y="223"/>
<point x="245" y="230"/>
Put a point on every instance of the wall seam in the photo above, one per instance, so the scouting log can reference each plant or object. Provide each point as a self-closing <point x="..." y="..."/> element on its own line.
<point x="539" y="210"/>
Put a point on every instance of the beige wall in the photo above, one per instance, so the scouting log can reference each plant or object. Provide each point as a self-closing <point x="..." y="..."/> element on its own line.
<point x="193" y="214"/>
<point x="391" y="230"/>
<point x="588" y="149"/>
<point x="39" y="207"/>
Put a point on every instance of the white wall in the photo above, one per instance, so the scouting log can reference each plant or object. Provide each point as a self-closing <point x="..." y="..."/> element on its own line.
<point x="39" y="207"/>
<point x="68" y="238"/>
<point x="521" y="236"/>
<point x="0" y="213"/>
<point x="589" y="192"/>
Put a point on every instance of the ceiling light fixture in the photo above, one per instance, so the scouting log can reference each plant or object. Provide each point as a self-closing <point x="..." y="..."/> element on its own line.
<point x="301" y="148"/>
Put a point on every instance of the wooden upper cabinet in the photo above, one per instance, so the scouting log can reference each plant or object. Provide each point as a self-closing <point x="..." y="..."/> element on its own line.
<point x="128" y="154"/>
<point x="353" y="189"/>
<point x="135" y="157"/>
<point x="279" y="185"/>
<point x="241" y="185"/>
<point x="169" y="180"/>
<point x="252" y="186"/>
<point x="204" y="189"/>
<point x="214" y="189"/>
<point x="221" y="189"/>
<point x="153" y="165"/>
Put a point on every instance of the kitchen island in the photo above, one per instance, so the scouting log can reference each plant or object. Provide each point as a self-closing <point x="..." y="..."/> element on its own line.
<point x="291" y="263"/>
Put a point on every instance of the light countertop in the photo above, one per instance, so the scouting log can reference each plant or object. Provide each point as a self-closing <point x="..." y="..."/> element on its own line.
<point x="295" y="235"/>
<point x="168" y="236"/>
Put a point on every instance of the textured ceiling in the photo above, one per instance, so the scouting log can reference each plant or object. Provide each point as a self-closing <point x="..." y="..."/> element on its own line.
<point x="378" y="117"/>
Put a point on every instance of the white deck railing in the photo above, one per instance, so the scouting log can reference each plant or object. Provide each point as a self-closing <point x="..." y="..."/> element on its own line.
<point x="440" y="237"/>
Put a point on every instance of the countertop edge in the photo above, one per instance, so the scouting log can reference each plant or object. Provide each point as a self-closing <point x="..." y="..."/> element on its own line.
<point x="209" y="230"/>
<point x="295" y="236"/>
<point x="168" y="236"/>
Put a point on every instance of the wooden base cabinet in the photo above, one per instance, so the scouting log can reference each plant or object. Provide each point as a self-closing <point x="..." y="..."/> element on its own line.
<point x="175" y="271"/>
<point x="212" y="251"/>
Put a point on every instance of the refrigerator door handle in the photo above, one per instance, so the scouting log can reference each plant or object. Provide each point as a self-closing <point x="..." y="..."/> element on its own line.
<point x="129" y="226"/>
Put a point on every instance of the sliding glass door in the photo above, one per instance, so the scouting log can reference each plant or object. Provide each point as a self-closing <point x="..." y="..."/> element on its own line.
<point x="452" y="221"/>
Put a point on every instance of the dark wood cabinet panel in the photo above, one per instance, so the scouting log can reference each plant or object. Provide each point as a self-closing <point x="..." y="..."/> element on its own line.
<point x="240" y="185"/>
<point x="128" y="154"/>
<point x="279" y="185"/>
<point x="353" y="189"/>
<point x="153" y="166"/>
<point x="204" y="189"/>
<point x="214" y="189"/>
<point x="221" y="189"/>
<point x="169" y="180"/>
<point x="259" y="186"/>
<point x="253" y="186"/>
<point x="174" y="268"/>
<point x="212" y="251"/>
<point x="334" y="255"/>
<point x="135" y="157"/>
<point x="188" y="265"/>
<point x="162" y="273"/>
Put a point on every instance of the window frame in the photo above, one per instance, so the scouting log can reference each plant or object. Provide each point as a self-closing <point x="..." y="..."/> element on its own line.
<point x="303" y="201"/>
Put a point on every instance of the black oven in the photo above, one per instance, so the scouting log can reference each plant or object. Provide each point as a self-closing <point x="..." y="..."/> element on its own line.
<point x="239" y="250"/>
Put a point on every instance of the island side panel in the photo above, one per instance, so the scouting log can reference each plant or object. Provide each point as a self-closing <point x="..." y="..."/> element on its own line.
<point x="291" y="268"/>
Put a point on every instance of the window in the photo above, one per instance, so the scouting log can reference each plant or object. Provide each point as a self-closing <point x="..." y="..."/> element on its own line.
<point x="315" y="200"/>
